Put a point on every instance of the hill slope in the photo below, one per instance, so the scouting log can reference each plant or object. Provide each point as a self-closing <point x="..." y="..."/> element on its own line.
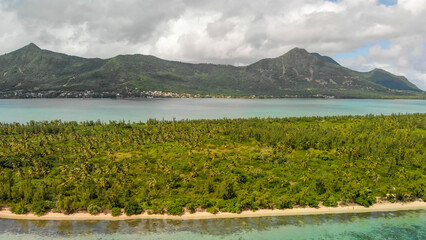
<point x="294" y="73"/>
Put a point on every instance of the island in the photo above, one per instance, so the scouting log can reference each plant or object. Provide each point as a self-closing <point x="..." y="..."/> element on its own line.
<point x="212" y="168"/>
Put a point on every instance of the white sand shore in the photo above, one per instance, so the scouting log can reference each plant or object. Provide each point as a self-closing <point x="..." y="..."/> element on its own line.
<point x="378" y="207"/>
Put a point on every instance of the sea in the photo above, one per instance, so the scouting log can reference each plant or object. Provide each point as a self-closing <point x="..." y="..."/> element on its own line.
<point x="141" y="110"/>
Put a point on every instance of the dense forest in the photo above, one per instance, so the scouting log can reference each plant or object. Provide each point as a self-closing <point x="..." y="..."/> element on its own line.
<point x="217" y="165"/>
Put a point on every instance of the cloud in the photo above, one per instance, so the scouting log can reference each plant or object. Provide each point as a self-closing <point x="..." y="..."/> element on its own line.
<point x="230" y="32"/>
<point x="404" y="56"/>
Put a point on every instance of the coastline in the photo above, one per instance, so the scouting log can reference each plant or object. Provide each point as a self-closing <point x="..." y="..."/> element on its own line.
<point x="378" y="207"/>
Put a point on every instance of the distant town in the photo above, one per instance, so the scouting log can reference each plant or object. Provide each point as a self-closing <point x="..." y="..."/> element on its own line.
<point x="89" y="94"/>
<point x="126" y="93"/>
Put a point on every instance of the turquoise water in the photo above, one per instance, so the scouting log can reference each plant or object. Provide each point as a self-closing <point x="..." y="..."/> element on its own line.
<point x="376" y="225"/>
<point x="24" y="110"/>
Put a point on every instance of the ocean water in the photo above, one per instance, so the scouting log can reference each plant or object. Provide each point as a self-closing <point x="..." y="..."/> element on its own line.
<point x="135" y="110"/>
<point x="375" y="225"/>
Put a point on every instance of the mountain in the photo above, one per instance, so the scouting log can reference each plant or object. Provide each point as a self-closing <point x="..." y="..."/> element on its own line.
<point x="389" y="80"/>
<point x="296" y="73"/>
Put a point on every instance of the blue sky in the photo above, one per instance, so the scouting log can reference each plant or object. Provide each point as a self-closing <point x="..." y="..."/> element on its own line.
<point x="388" y="2"/>
<point x="363" y="50"/>
<point x="384" y="2"/>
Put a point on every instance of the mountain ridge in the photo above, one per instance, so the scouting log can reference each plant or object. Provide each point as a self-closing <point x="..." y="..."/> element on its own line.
<point x="295" y="73"/>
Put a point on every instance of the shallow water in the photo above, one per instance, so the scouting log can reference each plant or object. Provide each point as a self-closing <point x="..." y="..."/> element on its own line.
<point x="135" y="110"/>
<point x="376" y="225"/>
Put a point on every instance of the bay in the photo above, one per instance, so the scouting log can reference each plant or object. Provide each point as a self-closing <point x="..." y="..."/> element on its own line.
<point x="374" y="225"/>
<point x="135" y="110"/>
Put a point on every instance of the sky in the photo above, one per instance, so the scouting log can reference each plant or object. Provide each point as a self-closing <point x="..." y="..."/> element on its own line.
<point x="359" y="34"/>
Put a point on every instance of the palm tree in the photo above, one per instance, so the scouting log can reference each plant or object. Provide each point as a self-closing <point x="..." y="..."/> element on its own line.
<point x="152" y="183"/>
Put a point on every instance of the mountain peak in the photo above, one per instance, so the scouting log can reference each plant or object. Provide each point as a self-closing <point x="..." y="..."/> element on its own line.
<point x="31" y="47"/>
<point x="297" y="50"/>
<point x="389" y="80"/>
<point x="301" y="53"/>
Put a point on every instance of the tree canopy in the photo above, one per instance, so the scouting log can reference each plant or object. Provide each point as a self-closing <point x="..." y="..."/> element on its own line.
<point x="227" y="165"/>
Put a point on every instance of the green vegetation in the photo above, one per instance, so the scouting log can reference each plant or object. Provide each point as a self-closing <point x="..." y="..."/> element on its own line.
<point x="296" y="73"/>
<point x="116" y="211"/>
<point x="226" y="165"/>
<point x="132" y="208"/>
<point x="174" y="208"/>
<point x="39" y="207"/>
<point x="93" y="209"/>
<point x="19" y="208"/>
<point x="391" y="81"/>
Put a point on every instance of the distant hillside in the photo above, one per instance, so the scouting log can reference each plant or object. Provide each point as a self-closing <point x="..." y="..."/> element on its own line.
<point x="296" y="73"/>
<point x="389" y="80"/>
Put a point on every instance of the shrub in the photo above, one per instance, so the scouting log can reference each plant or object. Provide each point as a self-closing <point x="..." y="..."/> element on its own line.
<point x="399" y="196"/>
<point x="365" y="201"/>
<point x="94" y="209"/>
<point x="19" y="208"/>
<point x="174" y="208"/>
<point x="283" y="202"/>
<point x="226" y="190"/>
<point x="206" y="203"/>
<point x="302" y="200"/>
<point x="157" y="210"/>
<point x="230" y="205"/>
<point x="330" y="202"/>
<point x="38" y="208"/>
<point x="245" y="199"/>
<point x="67" y="204"/>
<point x="132" y="208"/>
<point x="56" y="210"/>
<point x="313" y="203"/>
<point x="156" y="206"/>
<point x="192" y="207"/>
<point x="116" y="212"/>
<point x="49" y="204"/>
<point x="264" y="201"/>
<point x="212" y="210"/>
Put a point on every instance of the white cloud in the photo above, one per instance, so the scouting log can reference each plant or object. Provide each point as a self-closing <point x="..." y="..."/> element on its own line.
<point x="405" y="56"/>
<point x="414" y="6"/>
<point x="221" y="31"/>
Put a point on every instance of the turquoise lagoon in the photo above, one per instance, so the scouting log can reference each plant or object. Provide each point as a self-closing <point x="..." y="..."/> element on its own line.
<point x="135" y="110"/>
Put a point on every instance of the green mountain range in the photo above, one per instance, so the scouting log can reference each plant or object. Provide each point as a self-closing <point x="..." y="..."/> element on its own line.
<point x="296" y="73"/>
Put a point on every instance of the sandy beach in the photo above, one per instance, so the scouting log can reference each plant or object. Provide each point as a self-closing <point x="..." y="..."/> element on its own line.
<point x="378" y="207"/>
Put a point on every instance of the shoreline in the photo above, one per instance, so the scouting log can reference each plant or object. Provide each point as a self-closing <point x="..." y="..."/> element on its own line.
<point x="378" y="207"/>
<point x="224" y="97"/>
